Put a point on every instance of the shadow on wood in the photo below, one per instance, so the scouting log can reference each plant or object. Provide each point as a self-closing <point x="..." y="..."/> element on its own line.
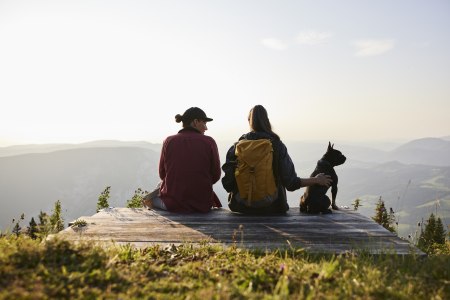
<point x="340" y="232"/>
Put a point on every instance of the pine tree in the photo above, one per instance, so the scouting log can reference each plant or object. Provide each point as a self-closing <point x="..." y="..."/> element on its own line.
<point x="433" y="234"/>
<point x="103" y="199"/>
<point x="383" y="218"/>
<point x="32" y="229"/>
<point x="56" y="220"/>
<point x="17" y="229"/>
<point x="43" y="218"/>
<point x="439" y="232"/>
<point x="44" y="224"/>
<point x="428" y="233"/>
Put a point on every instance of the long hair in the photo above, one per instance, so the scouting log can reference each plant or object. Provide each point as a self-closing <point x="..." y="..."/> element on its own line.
<point x="259" y="120"/>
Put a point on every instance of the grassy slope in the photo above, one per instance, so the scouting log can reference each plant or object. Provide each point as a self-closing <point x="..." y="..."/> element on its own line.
<point x="59" y="269"/>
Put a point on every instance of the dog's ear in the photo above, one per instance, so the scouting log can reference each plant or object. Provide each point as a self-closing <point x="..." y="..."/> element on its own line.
<point x="330" y="147"/>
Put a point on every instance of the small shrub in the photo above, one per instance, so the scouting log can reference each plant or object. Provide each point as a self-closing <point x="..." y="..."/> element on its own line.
<point x="103" y="199"/>
<point x="136" y="200"/>
<point x="79" y="223"/>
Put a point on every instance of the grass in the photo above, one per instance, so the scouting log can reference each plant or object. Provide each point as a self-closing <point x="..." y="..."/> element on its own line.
<point x="60" y="269"/>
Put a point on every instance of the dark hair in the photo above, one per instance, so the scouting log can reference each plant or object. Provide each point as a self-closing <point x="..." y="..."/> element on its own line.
<point x="179" y="119"/>
<point x="259" y="120"/>
<point x="190" y="115"/>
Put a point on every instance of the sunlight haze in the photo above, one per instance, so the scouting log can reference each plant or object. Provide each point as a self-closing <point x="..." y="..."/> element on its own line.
<point x="76" y="71"/>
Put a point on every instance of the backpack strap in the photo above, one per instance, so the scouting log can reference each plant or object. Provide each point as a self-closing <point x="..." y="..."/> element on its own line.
<point x="252" y="184"/>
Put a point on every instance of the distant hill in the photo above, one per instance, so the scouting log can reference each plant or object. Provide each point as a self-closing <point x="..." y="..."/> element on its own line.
<point x="33" y="182"/>
<point x="46" y="148"/>
<point x="413" y="179"/>
<point x="427" y="151"/>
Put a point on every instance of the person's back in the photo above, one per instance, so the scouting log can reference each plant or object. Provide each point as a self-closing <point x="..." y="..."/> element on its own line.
<point x="189" y="166"/>
<point x="283" y="169"/>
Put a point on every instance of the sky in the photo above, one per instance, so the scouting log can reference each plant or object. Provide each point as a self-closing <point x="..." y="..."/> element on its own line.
<point x="349" y="70"/>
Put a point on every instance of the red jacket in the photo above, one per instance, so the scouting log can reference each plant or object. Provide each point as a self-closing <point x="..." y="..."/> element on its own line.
<point x="188" y="167"/>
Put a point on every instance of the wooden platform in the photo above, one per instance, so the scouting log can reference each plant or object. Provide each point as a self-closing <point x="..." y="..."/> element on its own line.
<point x="340" y="232"/>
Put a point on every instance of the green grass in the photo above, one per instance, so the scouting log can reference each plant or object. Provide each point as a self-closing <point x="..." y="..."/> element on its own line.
<point x="60" y="269"/>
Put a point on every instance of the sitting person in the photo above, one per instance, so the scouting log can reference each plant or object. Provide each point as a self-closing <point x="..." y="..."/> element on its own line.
<point x="189" y="166"/>
<point x="283" y="170"/>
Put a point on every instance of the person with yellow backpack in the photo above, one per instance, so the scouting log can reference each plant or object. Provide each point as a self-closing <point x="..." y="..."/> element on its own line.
<point x="258" y="170"/>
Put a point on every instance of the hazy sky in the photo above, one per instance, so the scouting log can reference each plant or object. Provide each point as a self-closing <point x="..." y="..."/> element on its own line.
<point x="75" y="71"/>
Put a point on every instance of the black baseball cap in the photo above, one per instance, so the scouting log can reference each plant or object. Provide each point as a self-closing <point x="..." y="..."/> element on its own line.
<point x="195" y="113"/>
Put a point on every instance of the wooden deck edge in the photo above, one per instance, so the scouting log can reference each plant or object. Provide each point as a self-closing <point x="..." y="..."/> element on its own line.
<point x="126" y="226"/>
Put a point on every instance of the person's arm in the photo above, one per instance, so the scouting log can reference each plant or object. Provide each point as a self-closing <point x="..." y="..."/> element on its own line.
<point x="289" y="177"/>
<point x="320" y="179"/>
<point x="286" y="169"/>
<point x="228" y="180"/>
<point x="162" y="167"/>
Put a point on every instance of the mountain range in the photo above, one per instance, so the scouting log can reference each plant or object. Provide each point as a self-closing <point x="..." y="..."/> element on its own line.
<point x="412" y="178"/>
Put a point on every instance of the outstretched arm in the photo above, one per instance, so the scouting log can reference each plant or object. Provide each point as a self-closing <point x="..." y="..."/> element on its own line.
<point x="319" y="179"/>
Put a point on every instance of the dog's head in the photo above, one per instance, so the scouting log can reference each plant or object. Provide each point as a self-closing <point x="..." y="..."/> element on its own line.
<point x="333" y="156"/>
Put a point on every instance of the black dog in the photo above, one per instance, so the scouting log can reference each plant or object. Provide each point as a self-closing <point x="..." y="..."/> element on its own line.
<point x="315" y="200"/>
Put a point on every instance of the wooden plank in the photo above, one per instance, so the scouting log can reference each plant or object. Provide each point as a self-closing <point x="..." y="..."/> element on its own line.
<point x="342" y="231"/>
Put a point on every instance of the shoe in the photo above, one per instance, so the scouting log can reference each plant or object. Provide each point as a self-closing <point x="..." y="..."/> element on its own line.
<point x="147" y="202"/>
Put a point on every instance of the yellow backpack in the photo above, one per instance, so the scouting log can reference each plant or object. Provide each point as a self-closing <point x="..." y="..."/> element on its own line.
<point x="254" y="173"/>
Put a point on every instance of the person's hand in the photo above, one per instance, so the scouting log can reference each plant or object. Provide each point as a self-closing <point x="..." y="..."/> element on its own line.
<point x="323" y="179"/>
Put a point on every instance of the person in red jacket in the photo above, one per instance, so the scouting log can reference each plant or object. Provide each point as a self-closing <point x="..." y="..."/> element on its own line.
<point x="189" y="166"/>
